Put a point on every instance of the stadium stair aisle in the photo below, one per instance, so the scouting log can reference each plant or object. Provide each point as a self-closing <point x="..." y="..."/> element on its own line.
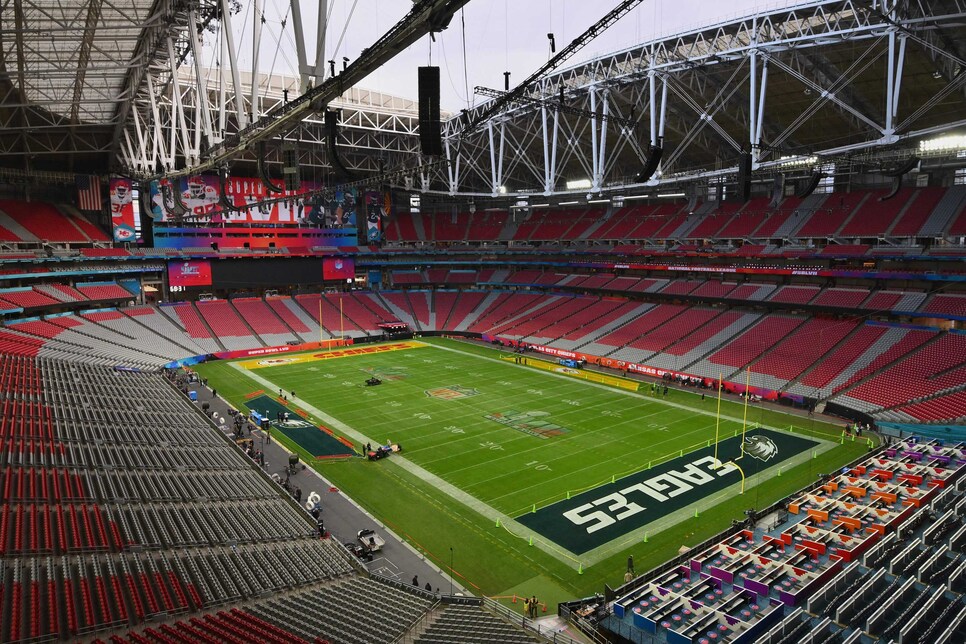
<point x="396" y="302"/>
<point x="263" y="321"/>
<point x="289" y="311"/>
<point x="186" y="318"/>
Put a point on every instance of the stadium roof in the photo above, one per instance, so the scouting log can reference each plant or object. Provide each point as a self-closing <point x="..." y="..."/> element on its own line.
<point x="827" y="90"/>
<point x="91" y="85"/>
<point x="69" y="71"/>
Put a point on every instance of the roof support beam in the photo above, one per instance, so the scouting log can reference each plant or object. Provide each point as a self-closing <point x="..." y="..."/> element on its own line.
<point x="84" y="57"/>
<point x="19" y="22"/>
<point x="235" y="72"/>
<point x="201" y="84"/>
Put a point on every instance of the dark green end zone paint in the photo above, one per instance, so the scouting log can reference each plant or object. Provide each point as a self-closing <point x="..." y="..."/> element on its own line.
<point x="605" y="513"/>
<point x="317" y="441"/>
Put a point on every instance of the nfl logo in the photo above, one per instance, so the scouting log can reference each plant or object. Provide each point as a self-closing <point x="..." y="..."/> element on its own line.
<point x="452" y="392"/>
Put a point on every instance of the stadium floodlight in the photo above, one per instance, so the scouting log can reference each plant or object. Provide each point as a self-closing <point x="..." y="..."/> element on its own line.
<point x="949" y="143"/>
<point x="579" y="184"/>
<point x="797" y="161"/>
<point x="502" y="190"/>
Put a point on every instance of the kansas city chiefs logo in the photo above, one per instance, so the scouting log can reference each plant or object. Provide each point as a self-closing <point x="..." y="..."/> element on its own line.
<point x="760" y="447"/>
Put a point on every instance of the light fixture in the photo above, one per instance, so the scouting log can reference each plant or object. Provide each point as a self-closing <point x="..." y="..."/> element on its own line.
<point x="579" y="184"/>
<point x="568" y="203"/>
<point x="502" y="190"/>
<point x="797" y="161"/>
<point x="950" y="142"/>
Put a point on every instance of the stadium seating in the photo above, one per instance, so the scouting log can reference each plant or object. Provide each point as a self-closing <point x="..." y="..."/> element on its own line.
<point x="835" y="362"/>
<point x="226" y="325"/>
<point x="841" y="297"/>
<point x="75" y="532"/>
<point x="837" y="209"/>
<point x="875" y="217"/>
<point x="778" y="219"/>
<point x="486" y="226"/>
<point x="807" y="344"/>
<point x="941" y="303"/>
<point x="794" y="294"/>
<point x="263" y="321"/>
<point x="402" y="228"/>
<point x="61" y="292"/>
<point x="928" y="370"/>
<point x="917" y="212"/>
<point x="755" y="341"/>
<point x="908" y="341"/>
<point x="45" y="222"/>
<point x="26" y="298"/>
<point x="104" y="291"/>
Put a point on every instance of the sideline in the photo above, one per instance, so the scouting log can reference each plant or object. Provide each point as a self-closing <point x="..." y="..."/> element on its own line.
<point x="505" y="521"/>
<point x="635" y="394"/>
<point x="444" y="486"/>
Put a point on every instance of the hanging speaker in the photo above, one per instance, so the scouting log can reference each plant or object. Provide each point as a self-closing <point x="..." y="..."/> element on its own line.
<point x="430" y="131"/>
<point x="902" y="168"/>
<point x="263" y="170"/>
<point x="331" y="134"/>
<point x="744" y="176"/>
<point x="223" y="198"/>
<point x="896" y="185"/>
<point x="809" y="186"/>
<point x="290" y="166"/>
<point x="654" y="154"/>
<point x="147" y="219"/>
<point x="777" y="190"/>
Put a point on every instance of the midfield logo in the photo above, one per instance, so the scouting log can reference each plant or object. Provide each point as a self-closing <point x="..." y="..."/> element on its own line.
<point x="452" y="392"/>
<point x="528" y="422"/>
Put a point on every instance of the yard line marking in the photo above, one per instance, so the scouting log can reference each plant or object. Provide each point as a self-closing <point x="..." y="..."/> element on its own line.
<point x="442" y="485"/>
<point x="633" y="394"/>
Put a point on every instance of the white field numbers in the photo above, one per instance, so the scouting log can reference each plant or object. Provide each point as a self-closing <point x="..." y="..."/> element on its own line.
<point x="616" y="507"/>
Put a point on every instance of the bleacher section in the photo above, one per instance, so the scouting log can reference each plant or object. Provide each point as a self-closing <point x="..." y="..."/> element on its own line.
<point x="225" y="324"/>
<point x="104" y="291"/>
<point x="263" y="321"/>
<point x="127" y="515"/>
<point x="802" y="355"/>
<point x="45" y="222"/>
<point x="875" y="551"/>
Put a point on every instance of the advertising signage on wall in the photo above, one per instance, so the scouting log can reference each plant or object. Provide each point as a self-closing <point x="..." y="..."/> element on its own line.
<point x="201" y="198"/>
<point x="192" y="272"/>
<point x="338" y="268"/>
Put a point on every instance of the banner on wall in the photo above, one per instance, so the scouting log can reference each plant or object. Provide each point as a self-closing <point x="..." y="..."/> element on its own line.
<point x="377" y="207"/>
<point x="122" y="210"/>
<point x="200" y="195"/>
<point x="192" y="272"/>
<point x="338" y="268"/>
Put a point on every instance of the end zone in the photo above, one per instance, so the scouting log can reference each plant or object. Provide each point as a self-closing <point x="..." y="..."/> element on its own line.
<point x="277" y="361"/>
<point x="606" y="513"/>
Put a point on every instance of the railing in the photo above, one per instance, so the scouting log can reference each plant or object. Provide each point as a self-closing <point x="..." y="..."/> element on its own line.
<point x="418" y="627"/>
<point x="533" y="626"/>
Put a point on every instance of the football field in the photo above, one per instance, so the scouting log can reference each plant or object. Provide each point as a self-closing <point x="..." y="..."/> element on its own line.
<point x="580" y="470"/>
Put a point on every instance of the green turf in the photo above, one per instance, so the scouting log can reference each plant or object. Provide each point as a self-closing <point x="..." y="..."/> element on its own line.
<point x="604" y="434"/>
